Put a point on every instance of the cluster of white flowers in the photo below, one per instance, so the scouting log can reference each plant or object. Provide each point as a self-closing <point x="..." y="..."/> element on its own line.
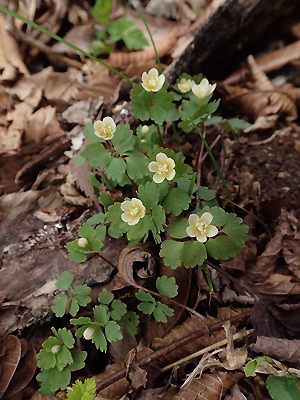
<point x="202" y="90"/>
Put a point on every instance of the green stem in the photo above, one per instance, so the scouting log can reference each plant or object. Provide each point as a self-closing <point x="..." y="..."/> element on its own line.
<point x="151" y="37"/>
<point x="214" y="162"/>
<point x="59" y="39"/>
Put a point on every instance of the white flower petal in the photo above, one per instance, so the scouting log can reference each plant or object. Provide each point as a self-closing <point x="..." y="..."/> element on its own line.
<point x="152" y="166"/>
<point x="153" y="73"/>
<point x="212" y="231"/>
<point x="125" y="205"/>
<point x="157" y="178"/>
<point x="206" y="217"/>
<point x="201" y="238"/>
<point x="171" y="175"/>
<point x="191" y="231"/>
<point x="161" y="157"/>
<point x="193" y="219"/>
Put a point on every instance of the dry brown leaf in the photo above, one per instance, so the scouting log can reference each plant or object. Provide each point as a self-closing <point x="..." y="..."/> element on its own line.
<point x="280" y="349"/>
<point x="235" y="394"/>
<point x="42" y="126"/>
<point x="11" y="61"/>
<point x="71" y="195"/>
<point x="117" y="389"/>
<point x="209" y="386"/>
<point x="10" y="354"/>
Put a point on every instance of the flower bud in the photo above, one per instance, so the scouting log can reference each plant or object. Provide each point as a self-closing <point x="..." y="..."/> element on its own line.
<point x="55" y="349"/>
<point x="145" y="129"/>
<point x="88" y="334"/>
<point x="82" y="242"/>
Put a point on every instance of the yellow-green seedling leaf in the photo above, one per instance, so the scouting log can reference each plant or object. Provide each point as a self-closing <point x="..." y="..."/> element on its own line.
<point x="101" y="314"/>
<point x="176" y="201"/>
<point x="135" y="39"/>
<point x="170" y="251"/>
<point x="60" y="305"/>
<point x="193" y="253"/>
<point x="161" y="312"/>
<point x="118" y="310"/>
<point x="235" y="228"/>
<point x="283" y="387"/>
<point x="123" y="140"/>
<point x="177" y="229"/>
<point x="223" y="247"/>
<point x="112" y="331"/>
<point x="167" y="286"/>
<point x="206" y="194"/>
<point x="116" y="170"/>
<point x="82" y="390"/>
<point x="64" y="280"/>
<point x="137" y="166"/>
<point x="140" y="102"/>
<point x="130" y="320"/>
<point x="105" y="297"/>
<point x="96" y="155"/>
<point x="96" y="219"/>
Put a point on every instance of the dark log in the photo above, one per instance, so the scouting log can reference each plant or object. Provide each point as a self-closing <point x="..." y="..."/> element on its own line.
<point x="220" y="44"/>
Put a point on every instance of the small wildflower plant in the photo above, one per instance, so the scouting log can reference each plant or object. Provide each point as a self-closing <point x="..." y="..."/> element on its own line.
<point x="160" y="203"/>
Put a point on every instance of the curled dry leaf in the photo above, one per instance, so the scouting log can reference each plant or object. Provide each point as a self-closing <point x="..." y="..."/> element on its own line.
<point x="280" y="349"/>
<point x="10" y="354"/>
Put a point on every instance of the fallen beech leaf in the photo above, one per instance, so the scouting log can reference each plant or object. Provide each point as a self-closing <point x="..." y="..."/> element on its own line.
<point x="10" y="353"/>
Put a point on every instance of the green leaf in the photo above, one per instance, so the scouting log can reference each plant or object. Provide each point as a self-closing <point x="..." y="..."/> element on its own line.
<point x="99" y="339"/>
<point x="219" y="215"/>
<point x="177" y="229"/>
<point x="60" y="305"/>
<point x="146" y="307"/>
<point x="80" y="321"/>
<point x="206" y="194"/>
<point x="130" y="320"/>
<point x="53" y="379"/>
<point x="89" y="134"/>
<point x="235" y="228"/>
<point x="118" y="310"/>
<point x="148" y="194"/>
<point x="116" y="169"/>
<point x="112" y="332"/>
<point x="100" y="314"/>
<point x="100" y="233"/>
<point x="78" y="360"/>
<point x="223" y="247"/>
<point x="193" y="253"/>
<point x="87" y="231"/>
<point x="113" y="215"/>
<point x="64" y="280"/>
<point x="161" y="312"/>
<point x="66" y="337"/>
<point x="167" y="286"/>
<point x="159" y="219"/>
<point x="106" y="200"/>
<point x="135" y="39"/>
<point x="101" y="11"/>
<point x="117" y="29"/>
<point x="63" y="358"/>
<point x="74" y="307"/>
<point x="140" y="230"/>
<point x="82" y="290"/>
<point x="74" y="254"/>
<point x="170" y="251"/>
<point x="82" y="390"/>
<point x="143" y="296"/>
<point x="105" y="297"/>
<point x="176" y="201"/>
<point x="283" y="387"/>
<point x="251" y="366"/>
<point x="234" y="124"/>
<point x="137" y="166"/>
<point x="163" y="104"/>
<point x="46" y="359"/>
<point x="140" y="102"/>
<point x="96" y="219"/>
<point x="96" y="155"/>
<point x="123" y="140"/>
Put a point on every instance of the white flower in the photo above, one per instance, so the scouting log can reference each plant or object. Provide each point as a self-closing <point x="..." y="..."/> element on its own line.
<point x="55" y="349"/>
<point x="134" y="210"/>
<point x="88" y="334"/>
<point x="200" y="227"/>
<point x="163" y="168"/>
<point x="145" y="129"/>
<point x="204" y="89"/>
<point x="105" y="129"/>
<point x="184" y="85"/>
<point x="151" y="81"/>
<point x="82" y="242"/>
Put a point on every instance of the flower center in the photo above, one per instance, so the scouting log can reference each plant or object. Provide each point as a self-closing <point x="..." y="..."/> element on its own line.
<point x="163" y="168"/>
<point x="106" y="131"/>
<point x="135" y="211"/>
<point x="152" y="83"/>
<point x="201" y="227"/>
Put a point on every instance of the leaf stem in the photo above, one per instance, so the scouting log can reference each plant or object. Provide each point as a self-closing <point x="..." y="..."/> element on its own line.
<point x="59" y="39"/>
<point x="214" y="162"/>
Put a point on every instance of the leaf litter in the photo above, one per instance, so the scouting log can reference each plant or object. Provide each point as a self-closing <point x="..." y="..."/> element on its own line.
<point x="45" y="104"/>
